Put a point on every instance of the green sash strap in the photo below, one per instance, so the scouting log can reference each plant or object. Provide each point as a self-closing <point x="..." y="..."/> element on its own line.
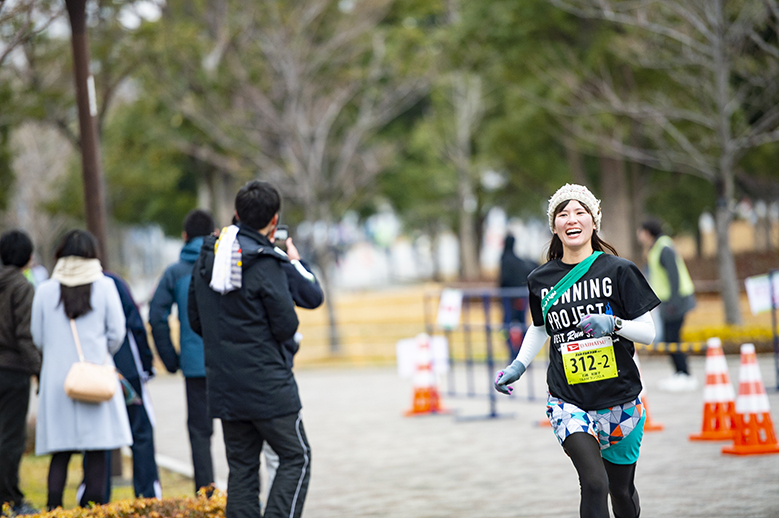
<point x="566" y="282"/>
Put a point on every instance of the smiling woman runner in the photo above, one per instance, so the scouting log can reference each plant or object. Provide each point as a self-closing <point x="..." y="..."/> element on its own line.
<point x="593" y="306"/>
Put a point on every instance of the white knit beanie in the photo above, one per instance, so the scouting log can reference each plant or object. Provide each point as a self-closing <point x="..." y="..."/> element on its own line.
<point x="580" y="193"/>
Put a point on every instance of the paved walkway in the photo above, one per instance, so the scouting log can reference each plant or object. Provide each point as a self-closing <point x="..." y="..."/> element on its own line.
<point x="371" y="461"/>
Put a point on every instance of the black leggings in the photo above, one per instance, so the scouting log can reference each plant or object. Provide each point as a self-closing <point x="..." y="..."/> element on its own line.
<point x="599" y="478"/>
<point x="94" y="477"/>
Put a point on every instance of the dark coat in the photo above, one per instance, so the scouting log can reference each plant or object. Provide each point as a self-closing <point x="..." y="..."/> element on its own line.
<point x="247" y="375"/>
<point x="124" y="358"/>
<point x="17" y="351"/>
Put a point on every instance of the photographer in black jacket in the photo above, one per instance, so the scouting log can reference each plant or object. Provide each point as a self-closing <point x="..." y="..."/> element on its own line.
<point x="240" y="303"/>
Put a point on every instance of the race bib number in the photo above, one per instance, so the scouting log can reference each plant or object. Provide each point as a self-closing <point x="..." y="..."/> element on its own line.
<point x="589" y="360"/>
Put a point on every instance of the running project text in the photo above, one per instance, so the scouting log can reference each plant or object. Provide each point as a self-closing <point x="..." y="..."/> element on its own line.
<point x="584" y="292"/>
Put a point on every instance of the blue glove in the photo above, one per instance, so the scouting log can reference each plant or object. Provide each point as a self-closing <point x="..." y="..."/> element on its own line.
<point x="597" y="325"/>
<point x="509" y="375"/>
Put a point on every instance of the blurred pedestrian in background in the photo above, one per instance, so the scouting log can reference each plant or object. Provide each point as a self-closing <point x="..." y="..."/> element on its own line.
<point x="35" y="273"/>
<point x="593" y="306"/>
<point x="77" y="290"/>
<point x="134" y="362"/>
<point x="19" y="360"/>
<point x="513" y="274"/>
<point x="173" y="289"/>
<point x="671" y="281"/>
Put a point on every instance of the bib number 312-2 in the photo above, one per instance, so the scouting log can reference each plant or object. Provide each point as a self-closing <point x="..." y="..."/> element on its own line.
<point x="589" y="360"/>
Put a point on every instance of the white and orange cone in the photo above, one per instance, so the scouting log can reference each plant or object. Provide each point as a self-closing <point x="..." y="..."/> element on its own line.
<point x="719" y="398"/>
<point x="426" y="398"/>
<point x="649" y="424"/>
<point x="753" y="432"/>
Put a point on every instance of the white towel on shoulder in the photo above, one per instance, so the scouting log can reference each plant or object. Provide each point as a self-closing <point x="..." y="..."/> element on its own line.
<point x="226" y="275"/>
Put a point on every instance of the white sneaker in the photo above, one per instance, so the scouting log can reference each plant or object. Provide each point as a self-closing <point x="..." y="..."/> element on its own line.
<point x="679" y="382"/>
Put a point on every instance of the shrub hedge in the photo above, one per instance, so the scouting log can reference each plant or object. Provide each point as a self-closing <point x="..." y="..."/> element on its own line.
<point x="194" y="507"/>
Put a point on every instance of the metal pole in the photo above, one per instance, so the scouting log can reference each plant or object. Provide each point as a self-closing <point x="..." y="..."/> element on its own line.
<point x="773" y="326"/>
<point x="468" y="348"/>
<point x="94" y="191"/>
<point x="490" y="362"/>
<point x="450" y="375"/>
<point x="426" y="312"/>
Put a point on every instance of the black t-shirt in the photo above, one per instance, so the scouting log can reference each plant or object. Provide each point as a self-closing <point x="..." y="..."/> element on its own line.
<point x="613" y="286"/>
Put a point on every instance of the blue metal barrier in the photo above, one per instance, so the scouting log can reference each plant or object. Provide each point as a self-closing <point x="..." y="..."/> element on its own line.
<point x="485" y="297"/>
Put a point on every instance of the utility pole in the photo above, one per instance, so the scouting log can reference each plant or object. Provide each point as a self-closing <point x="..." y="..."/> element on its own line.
<point x="94" y="190"/>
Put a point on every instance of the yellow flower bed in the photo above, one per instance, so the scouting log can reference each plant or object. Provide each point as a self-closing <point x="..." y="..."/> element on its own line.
<point x="195" y="507"/>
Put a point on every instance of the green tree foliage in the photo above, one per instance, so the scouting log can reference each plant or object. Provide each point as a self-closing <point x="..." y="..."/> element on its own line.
<point x="151" y="181"/>
<point x="148" y="180"/>
<point x="421" y="188"/>
<point x="292" y="91"/>
<point x="535" y="57"/>
<point x="6" y="172"/>
<point x="340" y="102"/>
<point x="679" y="200"/>
<point x="717" y="101"/>
<point x="530" y="58"/>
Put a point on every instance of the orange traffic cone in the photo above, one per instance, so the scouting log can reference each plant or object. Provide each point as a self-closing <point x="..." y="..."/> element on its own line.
<point x="426" y="399"/>
<point x="543" y="423"/>
<point x="649" y="424"/>
<point x="753" y="428"/>
<point x="719" y="399"/>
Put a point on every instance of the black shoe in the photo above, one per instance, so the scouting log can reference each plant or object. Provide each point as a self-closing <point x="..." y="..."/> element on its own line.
<point x="24" y="509"/>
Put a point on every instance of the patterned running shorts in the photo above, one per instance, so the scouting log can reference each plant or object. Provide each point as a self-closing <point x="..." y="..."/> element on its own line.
<point x="618" y="429"/>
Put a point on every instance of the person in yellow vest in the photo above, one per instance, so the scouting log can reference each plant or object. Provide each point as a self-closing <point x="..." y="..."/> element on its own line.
<point x="672" y="284"/>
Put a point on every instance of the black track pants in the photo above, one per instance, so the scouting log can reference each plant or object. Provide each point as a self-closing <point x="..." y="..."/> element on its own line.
<point x="243" y="442"/>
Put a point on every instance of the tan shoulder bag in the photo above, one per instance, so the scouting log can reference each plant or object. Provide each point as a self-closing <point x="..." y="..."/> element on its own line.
<point x="87" y="382"/>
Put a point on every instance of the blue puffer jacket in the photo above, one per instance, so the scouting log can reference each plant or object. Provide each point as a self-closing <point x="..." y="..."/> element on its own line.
<point x="173" y="289"/>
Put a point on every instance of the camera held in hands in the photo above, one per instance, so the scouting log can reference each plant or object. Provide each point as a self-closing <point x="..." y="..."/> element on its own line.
<point x="280" y="238"/>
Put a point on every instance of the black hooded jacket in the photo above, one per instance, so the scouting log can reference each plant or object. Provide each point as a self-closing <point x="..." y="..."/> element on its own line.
<point x="17" y="351"/>
<point x="247" y="374"/>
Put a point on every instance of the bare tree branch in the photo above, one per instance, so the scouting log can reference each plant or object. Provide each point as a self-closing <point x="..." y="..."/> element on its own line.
<point x="31" y="22"/>
<point x="707" y="122"/>
<point x="665" y="159"/>
<point x="205" y="154"/>
<point x="611" y="12"/>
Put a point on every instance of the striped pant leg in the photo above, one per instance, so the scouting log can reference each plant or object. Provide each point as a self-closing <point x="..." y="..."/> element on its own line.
<point x="287" y="437"/>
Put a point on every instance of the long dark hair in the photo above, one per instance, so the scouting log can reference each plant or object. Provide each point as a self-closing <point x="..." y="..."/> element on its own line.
<point x="556" y="245"/>
<point x="76" y="299"/>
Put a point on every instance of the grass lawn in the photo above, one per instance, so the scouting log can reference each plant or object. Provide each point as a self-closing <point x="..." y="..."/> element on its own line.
<point x="35" y="470"/>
